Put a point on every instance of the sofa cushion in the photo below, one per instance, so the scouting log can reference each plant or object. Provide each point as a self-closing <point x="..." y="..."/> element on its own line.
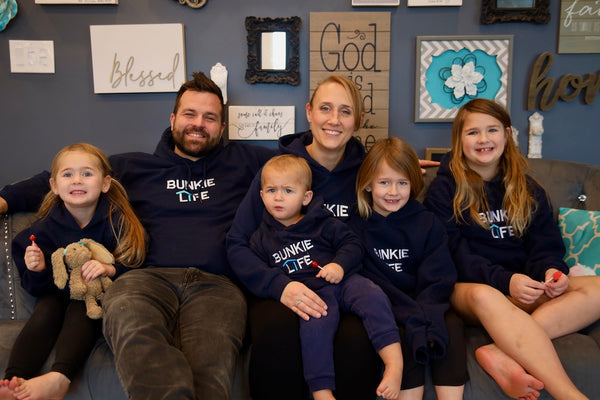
<point x="580" y="230"/>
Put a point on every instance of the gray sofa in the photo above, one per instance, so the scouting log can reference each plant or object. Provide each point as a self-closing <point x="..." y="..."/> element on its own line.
<point x="579" y="352"/>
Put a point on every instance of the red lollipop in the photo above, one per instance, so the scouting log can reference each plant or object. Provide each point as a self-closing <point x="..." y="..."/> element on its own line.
<point x="32" y="238"/>
<point x="555" y="276"/>
<point x="315" y="264"/>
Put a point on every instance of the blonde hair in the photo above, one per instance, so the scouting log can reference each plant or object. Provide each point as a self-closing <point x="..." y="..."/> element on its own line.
<point x="289" y="162"/>
<point x="470" y="188"/>
<point x="399" y="156"/>
<point x="353" y="93"/>
<point x="130" y="234"/>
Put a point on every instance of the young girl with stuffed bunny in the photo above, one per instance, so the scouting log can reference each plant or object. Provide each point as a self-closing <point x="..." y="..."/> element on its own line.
<point x="407" y="256"/>
<point x="508" y="252"/>
<point x="84" y="202"/>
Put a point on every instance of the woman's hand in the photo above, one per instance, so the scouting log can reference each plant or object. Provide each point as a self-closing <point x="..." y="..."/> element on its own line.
<point x="332" y="273"/>
<point x="303" y="301"/>
<point x="558" y="287"/>
<point x="94" y="268"/>
<point x="524" y="289"/>
<point x="34" y="258"/>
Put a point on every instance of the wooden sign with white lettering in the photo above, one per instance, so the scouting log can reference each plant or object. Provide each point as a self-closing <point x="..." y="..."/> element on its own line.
<point x="579" y="26"/>
<point x="356" y="45"/>
<point x="260" y="122"/>
<point x="138" y="58"/>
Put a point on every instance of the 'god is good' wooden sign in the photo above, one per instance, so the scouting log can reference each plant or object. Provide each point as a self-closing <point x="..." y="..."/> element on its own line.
<point x="356" y="45"/>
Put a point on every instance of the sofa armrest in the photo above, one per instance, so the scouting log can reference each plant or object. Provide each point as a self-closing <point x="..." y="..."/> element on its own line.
<point x="15" y="303"/>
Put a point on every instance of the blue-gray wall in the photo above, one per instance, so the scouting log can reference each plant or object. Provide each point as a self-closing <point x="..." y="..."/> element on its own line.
<point x="40" y="113"/>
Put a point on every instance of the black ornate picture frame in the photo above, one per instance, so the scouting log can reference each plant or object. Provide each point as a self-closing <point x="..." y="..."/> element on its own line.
<point x="491" y="12"/>
<point x="193" y="3"/>
<point x="255" y="27"/>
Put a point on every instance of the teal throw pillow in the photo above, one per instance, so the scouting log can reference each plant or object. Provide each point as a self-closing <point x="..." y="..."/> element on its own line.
<point x="580" y="230"/>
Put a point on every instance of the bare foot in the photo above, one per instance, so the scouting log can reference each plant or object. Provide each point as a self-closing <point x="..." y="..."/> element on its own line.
<point x="389" y="388"/>
<point x="6" y="393"/>
<point x="507" y="373"/>
<point x="323" y="395"/>
<point x="50" y="386"/>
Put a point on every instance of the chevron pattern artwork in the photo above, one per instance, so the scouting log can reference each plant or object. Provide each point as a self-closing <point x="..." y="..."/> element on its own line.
<point x="428" y="47"/>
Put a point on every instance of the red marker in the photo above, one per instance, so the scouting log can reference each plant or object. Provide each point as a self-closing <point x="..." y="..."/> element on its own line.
<point x="32" y="238"/>
<point x="555" y="276"/>
<point x="315" y="264"/>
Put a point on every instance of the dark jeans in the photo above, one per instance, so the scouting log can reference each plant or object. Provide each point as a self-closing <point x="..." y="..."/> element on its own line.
<point x="56" y="321"/>
<point x="175" y="333"/>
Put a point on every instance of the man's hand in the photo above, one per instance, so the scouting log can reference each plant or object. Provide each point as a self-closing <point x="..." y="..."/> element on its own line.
<point x="427" y="164"/>
<point x="3" y="206"/>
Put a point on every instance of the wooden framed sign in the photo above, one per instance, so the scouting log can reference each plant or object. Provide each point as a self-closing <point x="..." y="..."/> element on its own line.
<point x="138" y="58"/>
<point x="260" y="122"/>
<point x="579" y="26"/>
<point x="355" y="45"/>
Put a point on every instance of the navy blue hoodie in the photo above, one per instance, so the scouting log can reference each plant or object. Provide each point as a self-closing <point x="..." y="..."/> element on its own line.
<point x="287" y="252"/>
<point x="493" y="256"/>
<point x="186" y="206"/>
<point x="407" y="256"/>
<point x="58" y="230"/>
<point x="335" y="187"/>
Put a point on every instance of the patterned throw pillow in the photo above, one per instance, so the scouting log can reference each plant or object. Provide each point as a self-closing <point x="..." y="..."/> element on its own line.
<point x="580" y="230"/>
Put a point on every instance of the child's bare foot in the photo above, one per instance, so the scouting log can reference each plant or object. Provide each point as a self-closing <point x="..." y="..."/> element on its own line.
<point x="507" y="373"/>
<point x="323" y="395"/>
<point x="389" y="387"/>
<point x="6" y="392"/>
<point x="50" y="386"/>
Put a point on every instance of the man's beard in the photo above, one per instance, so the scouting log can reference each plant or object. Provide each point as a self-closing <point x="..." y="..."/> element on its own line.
<point x="194" y="150"/>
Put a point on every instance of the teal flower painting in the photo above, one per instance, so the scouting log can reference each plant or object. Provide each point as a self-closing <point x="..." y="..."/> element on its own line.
<point x="455" y="77"/>
<point x="8" y="10"/>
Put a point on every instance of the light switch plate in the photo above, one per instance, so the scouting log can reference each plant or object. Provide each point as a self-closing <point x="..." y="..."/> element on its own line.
<point x="32" y="56"/>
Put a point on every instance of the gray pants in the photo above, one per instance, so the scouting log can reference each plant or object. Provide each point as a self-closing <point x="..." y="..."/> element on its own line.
<point x="175" y="332"/>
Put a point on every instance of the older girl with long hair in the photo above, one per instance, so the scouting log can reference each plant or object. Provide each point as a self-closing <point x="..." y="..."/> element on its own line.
<point x="509" y="256"/>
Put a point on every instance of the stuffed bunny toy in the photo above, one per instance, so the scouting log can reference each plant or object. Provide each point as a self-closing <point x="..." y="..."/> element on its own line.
<point x="73" y="257"/>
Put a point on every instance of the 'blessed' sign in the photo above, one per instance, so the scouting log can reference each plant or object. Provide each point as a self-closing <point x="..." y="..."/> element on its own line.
<point x="137" y="58"/>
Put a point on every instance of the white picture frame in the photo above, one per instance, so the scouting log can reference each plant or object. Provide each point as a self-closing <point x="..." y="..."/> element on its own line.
<point x="434" y="3"/>
<point x="144" y="58"/>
